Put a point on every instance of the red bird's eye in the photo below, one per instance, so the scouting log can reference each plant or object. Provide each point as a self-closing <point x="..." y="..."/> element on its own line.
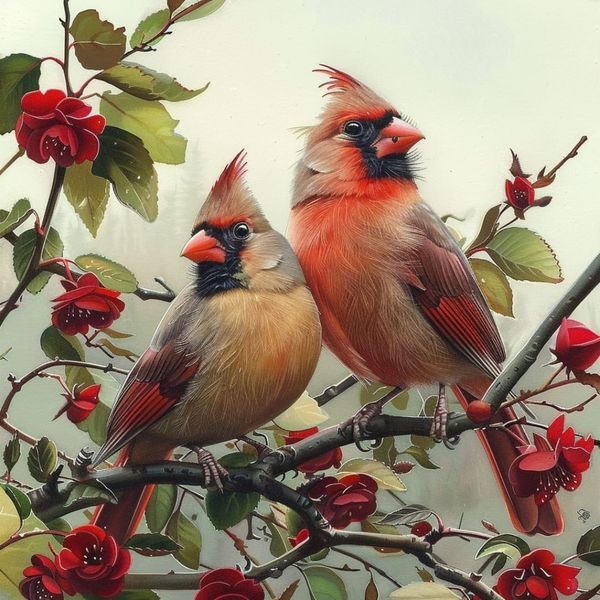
<point x="241" y="230"/>
<point x="353" y="128"/>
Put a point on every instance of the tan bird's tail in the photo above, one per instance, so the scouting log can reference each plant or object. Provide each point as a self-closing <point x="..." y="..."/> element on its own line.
<point x="502" y="449"/>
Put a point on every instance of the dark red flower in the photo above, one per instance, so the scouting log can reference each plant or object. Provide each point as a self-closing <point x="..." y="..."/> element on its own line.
<point x="331" y="458"/>
<point x="55" y="126"/>
<point x="348" y="500"/>
<point x="301" y="536"/>
<point x="80" y="403"/>
<point x="537" y="577"/>
<point x="577" y="347"/>
<point x="85" y="303"/>
<point x="92" y="561"/>
<point x="555" y="462"/>
<point x="228" y="584"/>
<point x="519" y="193"/>
<point x="421" y="528"/>
<point x="42" y="580"/>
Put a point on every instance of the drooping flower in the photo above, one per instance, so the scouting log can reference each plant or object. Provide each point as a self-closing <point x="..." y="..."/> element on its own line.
<point x="551" y="463"/>
<point x="537" y="577"/>
<point x="331" y="458"/>
<point x="92" y="561"/>
<point x="421" y="528"/>
<point x="85" y="303"/>
<point x="55" y="126"/>
<point x="348" y="500"/>
<point x="42" y="580"/>
<point x="80" y="403"/>
<point x="519" y="193"/>
<point x="228" y="584"/>
<point x="577" y="346"/>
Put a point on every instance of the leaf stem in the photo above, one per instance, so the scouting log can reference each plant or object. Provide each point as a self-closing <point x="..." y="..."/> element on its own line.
<point x="12" y="159"/>
<point x="569" y="156"/>
<point x="66" y="25"/>
<point x="28" y="534"/>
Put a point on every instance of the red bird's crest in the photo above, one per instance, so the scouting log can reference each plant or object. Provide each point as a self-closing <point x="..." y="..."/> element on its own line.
<point x="338" y="80"/>
<point x="233" y="173"/>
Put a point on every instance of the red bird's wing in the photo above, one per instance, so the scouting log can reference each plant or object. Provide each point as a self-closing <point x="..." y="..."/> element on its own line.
<point x="152" y="388"/>
<point x="444" y="287"/>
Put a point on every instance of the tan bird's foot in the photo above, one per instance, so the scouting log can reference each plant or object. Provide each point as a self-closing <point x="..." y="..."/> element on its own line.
<point x="439" y="431"/>
<point x="262" y="450"/>
<point x="213" y="471"/>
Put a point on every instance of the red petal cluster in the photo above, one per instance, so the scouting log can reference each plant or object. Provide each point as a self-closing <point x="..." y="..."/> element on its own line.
<point x="301" y="536"/>
<point x="537" y="577"/>
<point x="421" y="528"/>
<point x="553" y="462"/>
<point x="82" y="402"/>
<point x="348" y="500"/>
<point x="519" y="193"/>
<point x="42" y="580"/>
<point x="92" y="561"/>
<point x="332" y="458"/>
<point x="85" y="303"/>
<point x="55" y="126"/>
<point x="228" y="584"/>
<point x="577" y="347"/>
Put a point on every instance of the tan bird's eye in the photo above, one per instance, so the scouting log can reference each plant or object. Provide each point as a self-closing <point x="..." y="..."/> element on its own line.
<point x="241" y="230"/>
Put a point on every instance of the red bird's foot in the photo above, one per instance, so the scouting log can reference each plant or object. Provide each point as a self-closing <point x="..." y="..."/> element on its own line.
<point x="439" y="426"/>
<point x="213" y="471"/>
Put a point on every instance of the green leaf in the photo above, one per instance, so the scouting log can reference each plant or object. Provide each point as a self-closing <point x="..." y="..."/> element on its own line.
<point x="400" y="401"/>
<point x="152" y="544"/>
<point x="78" y="376"/>
<point x="499" y="563"/>
<point x="303" y="414"/>
<point x="386" y="452"/>
<point x="148" y="28"/>
<point x="83" y="490"/>
<point x="425" y="590"/>
<point x="59" y="524"/>
<point x="386" y="478"/>
<point x="371" y="392"/>
<point x="144" y="83"/>
<point x="56" y="345"/>
<point x="23" y="251"/>
<point x="494" y="285"/>
<point x="96" y="423"/>
<point x="98" y="45"/>
<point x="87" y="194"/>
<point x="225" y="509"/>
<point x="185" y="533"/>
<point x="278" y="545"/>
<point x="160" y="507"/>
<point x="488" y="228"/>
<point x="588" y="547"/>
<point x="149" y="121"/>
<point x="10" y="521"/>
<point x="125" y="162"/>
<point x="116" y="350"/>
<point x="110" y="273"/>
<point x="407" y="515"/>
<point x="174" y="4"/>
<point x="236" y="460"/>
<point x="19" y="499"/>
<point x="18" y="213"/>
<point x="325" y="584"/>
<point x="510" y="545"/>
<point x="12" y="453"/>
<point x="421" y="456"/>
<point x="422" y="441"/>
<point x="41" y="459"/>
<point x="524" y="255"/>
<point x="203" y="11"/>
<point x="19" y="74"/>
<point x="113" y="333"/>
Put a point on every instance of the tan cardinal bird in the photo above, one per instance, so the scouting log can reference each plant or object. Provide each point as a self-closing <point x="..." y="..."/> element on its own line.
<point x="399" y="303"/>
<point x="235" y="348"/>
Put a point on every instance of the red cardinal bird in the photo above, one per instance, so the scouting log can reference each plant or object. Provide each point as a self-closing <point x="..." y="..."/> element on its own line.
<point x="399" y="303"/>
<point x="235" y="348"/>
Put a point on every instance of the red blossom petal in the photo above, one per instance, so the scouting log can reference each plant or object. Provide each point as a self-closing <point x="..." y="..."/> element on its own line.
<point x="541" y="557"/>
<point x="74" y="108"/>
<point x="564" y="578"/>
<point x="227" y="575"/>
<point x="90" y="392"/>
<point x="555" y="430"/>
<point x="92" y="302"/>
<point x="249" y="590"/>
<point x="41" y="103"/>
<point x="537" y="586"/>
<point x="538" y="461"/>
<point x="89" y="146"/>
<point x="34" y="148"/>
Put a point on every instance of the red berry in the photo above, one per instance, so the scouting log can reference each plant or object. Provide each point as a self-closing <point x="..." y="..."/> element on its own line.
<point x="421" y="528"/>
<point x="404" y="466"/>
<point x="479" y="411"/>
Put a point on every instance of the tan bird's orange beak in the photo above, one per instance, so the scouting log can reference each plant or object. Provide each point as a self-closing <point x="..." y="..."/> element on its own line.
<point x="398" y="137"/>
<point x="203" y="248"/>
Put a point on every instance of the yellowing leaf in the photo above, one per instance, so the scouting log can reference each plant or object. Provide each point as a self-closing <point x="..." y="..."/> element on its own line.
<point x="423" y="591"/>
<point x="148" y="28"/>
<point x="110" y="273"/>
<point x="494" y="285"/>
<point x="10" y="521"/>
<point x="386" y="478"/>
<point x="303" y="414"/>
<point x="147" y="120"/>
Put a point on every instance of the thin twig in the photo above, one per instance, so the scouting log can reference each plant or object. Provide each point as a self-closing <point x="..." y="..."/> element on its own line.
<point x="12" y="159"/>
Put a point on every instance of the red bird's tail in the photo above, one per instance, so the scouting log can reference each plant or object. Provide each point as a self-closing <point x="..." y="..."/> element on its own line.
<point x="121" y="520"/>
<point x="502" y="449"/>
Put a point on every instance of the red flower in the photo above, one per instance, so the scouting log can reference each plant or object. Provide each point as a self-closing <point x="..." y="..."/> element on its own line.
<point x="348" y="500"/>
<point x="43" y="581"/>
<point x="577" y="347"/>
<point x="228" y="584"/>
<point x="92" y="561"/>
<point x="86" y="302"/>
<point x="53" y="125"/>
<point x="519" y="193"/>
<point x="301" y="536"/>
<point x="81" y="403"/>
<point x="331" y="458"/>
<point x="551" y="463"/>
<point x="537" y="577"/>
<point x="421" y="528"/>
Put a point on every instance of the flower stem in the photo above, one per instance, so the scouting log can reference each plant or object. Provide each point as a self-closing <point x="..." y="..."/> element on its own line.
<point x="21" y="536"/>
<point x="66" y="24"/>
<point x="12" y="159"/>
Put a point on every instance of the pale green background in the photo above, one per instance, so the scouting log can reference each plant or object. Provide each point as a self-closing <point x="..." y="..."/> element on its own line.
<point x="477" y="76"/>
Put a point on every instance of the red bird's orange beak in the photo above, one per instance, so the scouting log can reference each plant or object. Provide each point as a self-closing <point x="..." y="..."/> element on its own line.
<point x="203" y="248"/>
<point x="398" y="137"/>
